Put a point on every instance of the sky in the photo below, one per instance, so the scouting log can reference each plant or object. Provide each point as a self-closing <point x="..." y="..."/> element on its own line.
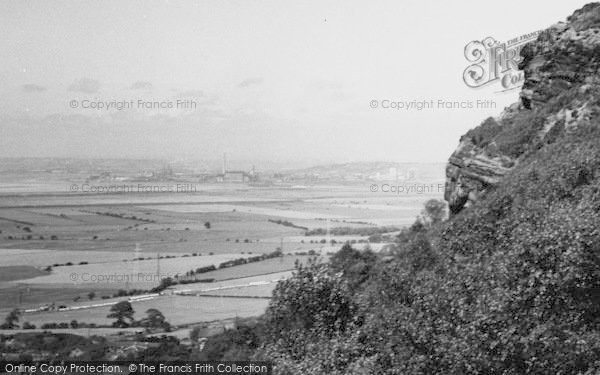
<point x="261" y="80"/>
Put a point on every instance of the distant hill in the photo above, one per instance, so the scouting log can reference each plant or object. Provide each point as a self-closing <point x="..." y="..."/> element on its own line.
<point x="376" y="170"/>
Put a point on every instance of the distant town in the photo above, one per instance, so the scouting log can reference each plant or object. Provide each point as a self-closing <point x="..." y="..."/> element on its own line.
<point x="350" y="172"/>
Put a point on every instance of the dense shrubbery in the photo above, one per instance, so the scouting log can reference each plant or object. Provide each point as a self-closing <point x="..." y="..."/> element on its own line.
<point x="591" y="17"/>
<point x="237" y="344"/>
<point x="484" y="134"/>
<point x="59" y="344"/>
<point x="509" y="286"/>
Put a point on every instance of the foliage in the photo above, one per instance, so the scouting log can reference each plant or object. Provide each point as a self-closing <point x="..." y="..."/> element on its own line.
<point x="12" y="319"/>
<point x="237" y="344"/>
<point x="434" y="212"/>
<point x="356" y="265"/>
<point x="123" y="312"/>
<point x="155" y="319"/>
<point x="169" y="349"/>
<point x="510" y="285"/>
<point x="313" y="303"/>
<point x="484" y="134"/>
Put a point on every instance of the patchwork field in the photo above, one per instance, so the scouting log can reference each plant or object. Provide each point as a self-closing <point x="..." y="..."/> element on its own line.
<point x="239" y="297"/>
<point x="178" y="310"/>
<point x="58" y="248"/>
<point x="144" y="274"/>
<point x="11" y="273"/>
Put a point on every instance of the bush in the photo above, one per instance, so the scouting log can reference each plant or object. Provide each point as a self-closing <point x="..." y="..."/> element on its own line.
<point x="28" y="325"/>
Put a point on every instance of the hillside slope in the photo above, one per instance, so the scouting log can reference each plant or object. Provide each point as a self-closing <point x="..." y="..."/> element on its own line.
<point x="559" y="99"/>
<point x="510" y="284"/>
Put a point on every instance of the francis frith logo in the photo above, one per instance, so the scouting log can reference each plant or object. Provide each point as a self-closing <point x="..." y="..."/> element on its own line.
<point x="495" y="62"/>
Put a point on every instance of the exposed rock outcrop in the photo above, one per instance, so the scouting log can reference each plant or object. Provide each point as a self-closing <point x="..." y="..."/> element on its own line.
<point x="564" y="58"/>
<point x="469" y="172"/>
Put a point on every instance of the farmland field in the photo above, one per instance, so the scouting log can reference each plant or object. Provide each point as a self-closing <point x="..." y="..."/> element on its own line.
<point x="11" y="273"/>
<point x="178" y="309"/>
<point x="80" y="253"/>
<point x="238" y="283"/>
<point x="144" y="274"/>
<point x="264" y="291"/>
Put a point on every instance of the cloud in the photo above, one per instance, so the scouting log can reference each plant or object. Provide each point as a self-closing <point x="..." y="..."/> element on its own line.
<point x="31" y="88"/>
<point x="190" y="94"/>
<point x="141" y="85"/>
<point x="85" y="85"/>
<point x="250" y="82"/>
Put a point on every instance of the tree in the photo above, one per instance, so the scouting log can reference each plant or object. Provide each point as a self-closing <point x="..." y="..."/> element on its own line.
<point x="28" y="325"/>
<point x="11" y="320"/>
<point x="122" y="311"/>
<point x="207" y="225"/>
<point x="434" y="212"/>
<point x="354" y="264"/>
<point x="155" y="319"/>
<point x="195" y="334"/>
<point x="417" y="253"/>
<point x="91" y="295"/>
<point x="311" y="301"/>
<point x="235" y="344"/>
<point x="165" y="283"/>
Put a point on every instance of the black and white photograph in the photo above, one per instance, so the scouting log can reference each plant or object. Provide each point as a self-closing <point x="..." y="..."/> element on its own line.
<point x="392" y="187"/>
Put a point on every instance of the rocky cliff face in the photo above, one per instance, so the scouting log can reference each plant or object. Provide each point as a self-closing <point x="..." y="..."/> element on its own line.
<point x="470" y="172"/>
<point x="564" y="58"/>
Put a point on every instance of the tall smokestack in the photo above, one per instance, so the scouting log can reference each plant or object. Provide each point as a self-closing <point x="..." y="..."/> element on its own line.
<point x="224" y="163"/>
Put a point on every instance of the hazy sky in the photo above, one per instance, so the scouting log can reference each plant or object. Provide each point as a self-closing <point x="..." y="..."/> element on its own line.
<point x="272" y="80"/>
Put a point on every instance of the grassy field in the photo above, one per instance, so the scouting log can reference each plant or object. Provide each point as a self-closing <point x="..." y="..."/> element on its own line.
<point x="44" y="258"/>
<point x="261" y="291"/>
<point x="268" y="266"/>
<point x="177" y="309"/>
<point x="12" y="273"/>
<point x="28" y="296"/>
<point x="196" y="288"/>
<point x="144" y="274"/>
<point x="102" y="231"/>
